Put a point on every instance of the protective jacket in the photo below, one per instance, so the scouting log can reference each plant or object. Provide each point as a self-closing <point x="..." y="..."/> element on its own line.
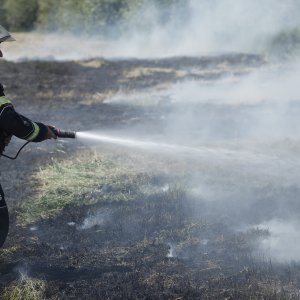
<point x="12" y="123"/>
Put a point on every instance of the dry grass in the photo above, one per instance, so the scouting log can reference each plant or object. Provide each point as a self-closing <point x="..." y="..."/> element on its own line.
<point x="6" y="252"/>
<point x="25" y="289"/>
<point x="143" y="71"/>
<point x="64" y="182"/>
<point x="78" y="179"/>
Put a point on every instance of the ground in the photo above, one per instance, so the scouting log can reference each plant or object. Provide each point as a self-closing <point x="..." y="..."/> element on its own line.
<point x="113" y="222"/>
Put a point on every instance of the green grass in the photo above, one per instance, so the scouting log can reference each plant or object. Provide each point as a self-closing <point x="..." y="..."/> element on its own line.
<point x="82" y="180"/>
<point x="25" y="289"/>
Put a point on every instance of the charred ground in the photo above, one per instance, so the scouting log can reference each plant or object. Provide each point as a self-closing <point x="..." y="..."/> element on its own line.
<point x="135" y="232"/>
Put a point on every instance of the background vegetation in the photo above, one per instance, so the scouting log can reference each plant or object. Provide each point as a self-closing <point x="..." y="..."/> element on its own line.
<point x="100" y="16"/>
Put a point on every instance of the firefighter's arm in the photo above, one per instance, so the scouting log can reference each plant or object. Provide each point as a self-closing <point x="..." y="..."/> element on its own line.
<point x="22" y="127"/>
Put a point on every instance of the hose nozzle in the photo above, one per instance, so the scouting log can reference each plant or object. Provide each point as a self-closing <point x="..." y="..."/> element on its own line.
<point x="64" y="133"/>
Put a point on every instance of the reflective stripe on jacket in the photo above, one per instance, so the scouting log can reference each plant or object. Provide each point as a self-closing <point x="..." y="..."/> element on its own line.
<point x="12" y="123"/>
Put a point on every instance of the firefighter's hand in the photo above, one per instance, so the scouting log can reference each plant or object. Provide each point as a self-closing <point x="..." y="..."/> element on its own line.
<point x="7" y="140"/>
<point x="50" y="134"/>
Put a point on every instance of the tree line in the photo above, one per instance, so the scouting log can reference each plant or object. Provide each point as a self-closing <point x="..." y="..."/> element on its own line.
<point x="103" y="16"/>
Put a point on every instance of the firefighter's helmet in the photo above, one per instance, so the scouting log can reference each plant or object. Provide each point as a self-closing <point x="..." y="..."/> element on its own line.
<point x="5" y="36"/>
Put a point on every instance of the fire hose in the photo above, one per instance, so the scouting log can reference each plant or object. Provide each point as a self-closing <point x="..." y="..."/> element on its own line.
<point x="58" y="132"/>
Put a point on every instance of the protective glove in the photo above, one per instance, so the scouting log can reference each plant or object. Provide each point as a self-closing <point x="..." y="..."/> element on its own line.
<point x="51" y="132"/>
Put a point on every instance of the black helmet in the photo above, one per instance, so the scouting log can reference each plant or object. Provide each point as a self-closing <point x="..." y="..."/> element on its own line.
<point x="5" y="35"/>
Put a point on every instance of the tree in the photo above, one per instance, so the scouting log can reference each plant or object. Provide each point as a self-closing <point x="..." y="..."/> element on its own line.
<point x="20" y="14"/>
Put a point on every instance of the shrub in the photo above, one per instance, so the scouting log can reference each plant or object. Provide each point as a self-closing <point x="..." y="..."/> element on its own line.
<point x="20" y="14"/>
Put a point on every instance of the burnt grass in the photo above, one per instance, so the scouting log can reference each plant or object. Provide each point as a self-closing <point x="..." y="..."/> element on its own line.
<point x="156" y="247"/>
<point x="159" y="246"/>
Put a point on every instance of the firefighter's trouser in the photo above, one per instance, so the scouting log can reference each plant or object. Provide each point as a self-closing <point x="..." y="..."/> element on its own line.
<point x="4" y="218"/>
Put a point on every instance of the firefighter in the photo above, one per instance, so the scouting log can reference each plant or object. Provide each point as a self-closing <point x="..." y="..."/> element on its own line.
<point x="14" y="124"/>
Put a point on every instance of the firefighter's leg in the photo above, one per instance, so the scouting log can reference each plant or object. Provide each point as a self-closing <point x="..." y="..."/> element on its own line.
<point x="4" y="218"/>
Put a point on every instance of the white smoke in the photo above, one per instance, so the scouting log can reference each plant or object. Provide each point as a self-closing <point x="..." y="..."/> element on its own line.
<point x="199" y="28"/>
<point x="282" y="244"/>
<point x="214" y="27"/>
<point x="274" y="84"/>
<point x="257" y="113"/>
<point x="97" y="219"/>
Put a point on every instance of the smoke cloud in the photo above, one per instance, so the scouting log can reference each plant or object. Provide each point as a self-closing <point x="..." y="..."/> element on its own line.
<point x="253" y="118"/>
<point x="282" y="243"/>
<point x="195" y="28"/>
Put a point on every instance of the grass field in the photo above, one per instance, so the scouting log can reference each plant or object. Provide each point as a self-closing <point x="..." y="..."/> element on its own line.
<point x="112" y="222"/>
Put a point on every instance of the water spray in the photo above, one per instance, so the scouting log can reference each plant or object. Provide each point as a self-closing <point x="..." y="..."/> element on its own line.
<point x="199" y="151"/>
<point x="58" y="132"/>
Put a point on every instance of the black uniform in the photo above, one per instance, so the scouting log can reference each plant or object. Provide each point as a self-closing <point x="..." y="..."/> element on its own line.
<point x="12" y="123"/>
